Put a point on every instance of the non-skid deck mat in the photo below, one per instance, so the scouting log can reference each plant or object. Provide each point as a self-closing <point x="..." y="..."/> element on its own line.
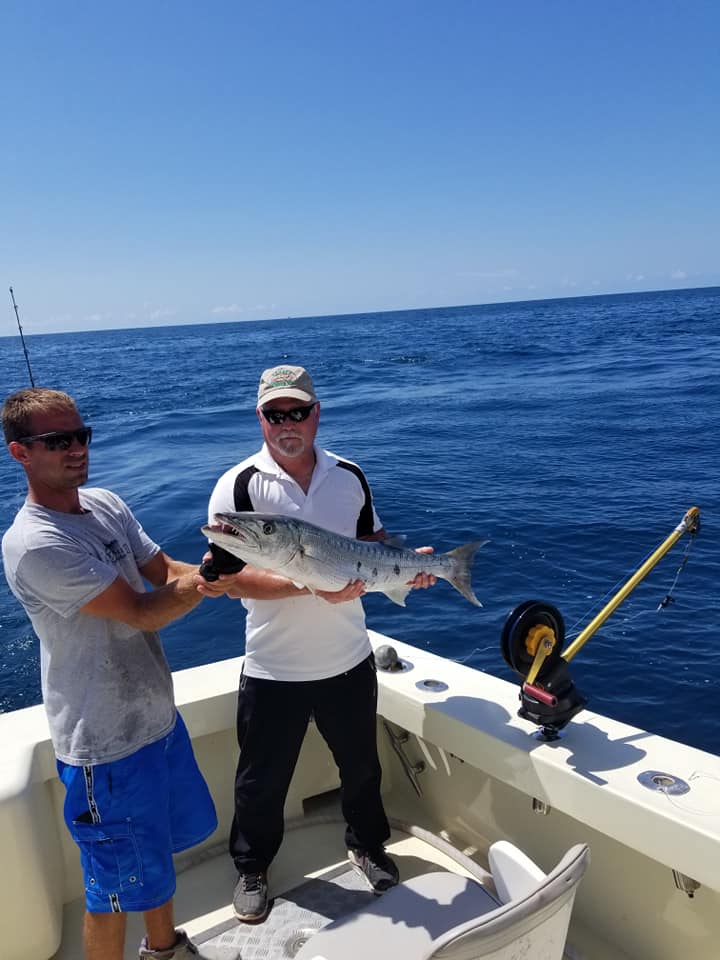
<point x="292" y="920"/>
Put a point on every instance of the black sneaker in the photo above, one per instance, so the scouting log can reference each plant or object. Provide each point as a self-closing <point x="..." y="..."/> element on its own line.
<point x="376" y="867"/>
<point x="250" y="897"/>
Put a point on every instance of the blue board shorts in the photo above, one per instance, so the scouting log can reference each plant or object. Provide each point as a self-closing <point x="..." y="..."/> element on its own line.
<point x="129" y="817"/>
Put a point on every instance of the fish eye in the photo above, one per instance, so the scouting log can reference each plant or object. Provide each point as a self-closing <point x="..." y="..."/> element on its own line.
<point x="269" y="527"/>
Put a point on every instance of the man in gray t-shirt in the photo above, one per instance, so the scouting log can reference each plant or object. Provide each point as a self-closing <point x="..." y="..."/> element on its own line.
<point x="55" y="564"/>
<point x="77" y="559"/>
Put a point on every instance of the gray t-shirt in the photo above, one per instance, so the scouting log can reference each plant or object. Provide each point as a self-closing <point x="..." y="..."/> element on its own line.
<point x="107" y="686"/>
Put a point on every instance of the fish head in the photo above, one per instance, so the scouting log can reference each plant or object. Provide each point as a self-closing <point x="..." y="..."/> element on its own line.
<point x="261" y="539"/>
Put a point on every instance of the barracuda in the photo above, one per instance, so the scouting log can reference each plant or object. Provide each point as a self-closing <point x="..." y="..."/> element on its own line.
<point x="321" y="560"/>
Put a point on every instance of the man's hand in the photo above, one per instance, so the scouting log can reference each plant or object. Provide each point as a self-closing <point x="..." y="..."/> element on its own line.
<point x="214" y="588"/>
<point x="351" y="591"/>
<point x="422" y="581"/>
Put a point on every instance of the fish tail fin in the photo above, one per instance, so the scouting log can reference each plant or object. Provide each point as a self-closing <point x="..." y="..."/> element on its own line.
<point x="461" y="578"/>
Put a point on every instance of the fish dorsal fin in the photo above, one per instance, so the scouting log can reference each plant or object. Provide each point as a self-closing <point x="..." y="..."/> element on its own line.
<point x="397" y="540"/>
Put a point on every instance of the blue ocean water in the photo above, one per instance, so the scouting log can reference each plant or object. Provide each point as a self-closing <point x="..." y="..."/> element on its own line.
<point x="573" y="433"/>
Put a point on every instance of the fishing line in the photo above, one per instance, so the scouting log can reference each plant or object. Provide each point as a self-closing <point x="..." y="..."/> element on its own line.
<point x="665" y="602"/>
<point x="603" y="598"/>
<point x="465" y="659"/>
<point x="668" y="598"/>
<point x="685" y="807"/>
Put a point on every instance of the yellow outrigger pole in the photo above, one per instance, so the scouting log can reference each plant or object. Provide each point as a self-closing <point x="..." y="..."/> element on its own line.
<point x="690" y="523"/>
<point x="545" y="640"/>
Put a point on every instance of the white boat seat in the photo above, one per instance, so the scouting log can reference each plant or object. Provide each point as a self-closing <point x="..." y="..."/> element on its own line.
<point x="444" y="915"/>
<point x="513" y="872"/>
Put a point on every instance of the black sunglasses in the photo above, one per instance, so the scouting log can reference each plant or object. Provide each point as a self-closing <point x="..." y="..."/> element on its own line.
<point x="61" y="439"/>
<point x="276" y="417"/>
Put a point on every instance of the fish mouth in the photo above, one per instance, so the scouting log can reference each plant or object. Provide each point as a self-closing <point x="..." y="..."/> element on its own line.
<point x="240" y="530"/>
<point x="219" y="527"/>
<point x="228" y="530"/>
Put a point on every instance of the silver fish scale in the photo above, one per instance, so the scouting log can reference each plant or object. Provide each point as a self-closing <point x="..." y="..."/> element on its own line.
<point x="337" y="560"/>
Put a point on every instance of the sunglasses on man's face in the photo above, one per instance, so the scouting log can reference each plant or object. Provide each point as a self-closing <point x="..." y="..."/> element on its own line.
<point x="61" y="439"/>
<point x="276" y="417"/>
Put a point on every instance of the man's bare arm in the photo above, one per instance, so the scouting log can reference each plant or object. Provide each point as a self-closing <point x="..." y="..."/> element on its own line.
<point x="253" y="583"/>
<point x="175" y="595"/>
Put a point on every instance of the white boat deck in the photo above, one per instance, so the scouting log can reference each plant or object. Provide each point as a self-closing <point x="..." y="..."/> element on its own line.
<point x="205" y="885"/>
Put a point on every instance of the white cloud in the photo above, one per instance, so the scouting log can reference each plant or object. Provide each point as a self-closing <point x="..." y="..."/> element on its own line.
<point x="161" y="313"/>
<point x="231" y="309"/>
<point x="490" y="274"/>
<point x="679" y="275"/>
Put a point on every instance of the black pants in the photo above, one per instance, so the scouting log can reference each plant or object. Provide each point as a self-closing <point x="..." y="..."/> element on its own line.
<point x="272" y="719"/>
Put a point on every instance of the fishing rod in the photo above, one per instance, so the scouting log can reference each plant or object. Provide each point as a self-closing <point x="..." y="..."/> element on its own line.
<point x="22" y="338"/>
<point x="534" y="634"/>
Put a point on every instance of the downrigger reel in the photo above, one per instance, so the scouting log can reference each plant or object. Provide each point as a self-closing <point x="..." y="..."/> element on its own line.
<point x="534" y="634"/>
<point x="531" y="643"/>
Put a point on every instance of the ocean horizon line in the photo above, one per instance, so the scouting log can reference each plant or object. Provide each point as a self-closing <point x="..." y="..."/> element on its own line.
<point x="366" y="313"/>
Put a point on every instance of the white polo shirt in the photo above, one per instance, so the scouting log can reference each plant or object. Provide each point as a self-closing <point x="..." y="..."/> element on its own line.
<point x="302" y="638"/>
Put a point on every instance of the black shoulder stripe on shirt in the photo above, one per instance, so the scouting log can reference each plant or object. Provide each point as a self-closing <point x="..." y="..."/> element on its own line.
<point x="241" y="491"/>
<point x="365" y="517"/>
<point x="224" y="561"/>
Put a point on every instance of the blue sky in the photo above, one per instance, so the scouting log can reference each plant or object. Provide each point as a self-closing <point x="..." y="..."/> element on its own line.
<point x="173" y="162"/>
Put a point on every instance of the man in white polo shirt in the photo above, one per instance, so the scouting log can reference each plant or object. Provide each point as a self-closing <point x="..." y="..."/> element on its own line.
<point x="305" y="653"/>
